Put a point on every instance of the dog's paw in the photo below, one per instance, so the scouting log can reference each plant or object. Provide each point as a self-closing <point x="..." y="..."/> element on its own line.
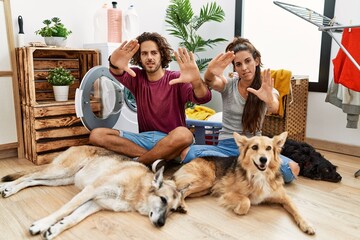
<point x="306" y="227"/>
<point x="6" y="190"/>
<point x="51" y="232"/>
<point x="38" y="227"/>
<point x="241" y="209"/>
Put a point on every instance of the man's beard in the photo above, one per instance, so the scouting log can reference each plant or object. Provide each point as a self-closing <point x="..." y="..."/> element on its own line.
<point x="152" y="70"/>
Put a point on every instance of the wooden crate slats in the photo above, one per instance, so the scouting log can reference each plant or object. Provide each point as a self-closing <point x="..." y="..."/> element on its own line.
<point x="20" y="63"/>
<point x="60" y="144"/>
<point x="51" y="127"/>
<point x="61" y="133"/>
<point x="45" y="91"/>
<point x="45" y="64"/>
<point x="26" y="131"/>
<point x="87" y="61"/>
<point x="35" y="63"/>
<point x="68" y="53"/>
<point x="47" y="111"/>
<point x="43" y="73"/>
<point x="46" y="157"/>
<point x="58" y="121"/>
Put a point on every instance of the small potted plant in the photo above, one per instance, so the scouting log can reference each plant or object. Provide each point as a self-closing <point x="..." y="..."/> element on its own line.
<point x="54" y="32"/>
<point x="60" y="78"/>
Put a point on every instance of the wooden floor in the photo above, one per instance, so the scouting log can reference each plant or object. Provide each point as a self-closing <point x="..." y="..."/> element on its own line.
<point x="333" y="208"/>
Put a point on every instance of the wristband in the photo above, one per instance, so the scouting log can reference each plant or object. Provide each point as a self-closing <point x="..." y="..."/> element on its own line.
<point x="112" y="65"/>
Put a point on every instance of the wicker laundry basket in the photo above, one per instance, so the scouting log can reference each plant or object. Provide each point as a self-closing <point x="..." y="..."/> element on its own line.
<point x="294" y="120"/>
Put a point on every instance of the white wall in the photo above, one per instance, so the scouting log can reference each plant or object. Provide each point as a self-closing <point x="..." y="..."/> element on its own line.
<point x="287" y="41"/>
<point x="324" y="121"/>
<point x="79" y="16"/>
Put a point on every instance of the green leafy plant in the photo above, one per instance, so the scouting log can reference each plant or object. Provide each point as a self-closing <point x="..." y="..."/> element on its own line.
<point x="60" y="77"/>
<point x="184" y="24"/>
<point x="53" y="28"/>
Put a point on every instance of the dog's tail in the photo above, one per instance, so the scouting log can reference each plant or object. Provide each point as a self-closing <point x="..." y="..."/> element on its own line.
<point x="17" y="175"/>
<point x="12" y="177"/>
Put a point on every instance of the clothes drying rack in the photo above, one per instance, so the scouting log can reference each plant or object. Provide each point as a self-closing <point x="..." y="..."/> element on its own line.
<point x="323" y="23"/>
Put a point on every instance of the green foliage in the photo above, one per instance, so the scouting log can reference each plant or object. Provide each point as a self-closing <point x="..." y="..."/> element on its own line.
<point x="53" y="28"/>
<point x="60" y="77"/>
<point x="184" y="25"/>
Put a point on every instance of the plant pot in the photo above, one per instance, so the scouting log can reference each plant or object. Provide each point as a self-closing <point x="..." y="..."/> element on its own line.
<point x="55" y="41"/>
<point x="61" y="93"/>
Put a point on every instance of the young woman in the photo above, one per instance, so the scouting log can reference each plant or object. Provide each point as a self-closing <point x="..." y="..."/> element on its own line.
<point x="246" y="95"/>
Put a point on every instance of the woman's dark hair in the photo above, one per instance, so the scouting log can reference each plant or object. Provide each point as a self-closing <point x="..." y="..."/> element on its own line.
<point x="164" y="48"/>
<point x="253" y="109"/>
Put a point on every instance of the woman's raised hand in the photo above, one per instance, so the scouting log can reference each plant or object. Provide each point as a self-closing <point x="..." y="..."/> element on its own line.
<point x="265" y="92"/>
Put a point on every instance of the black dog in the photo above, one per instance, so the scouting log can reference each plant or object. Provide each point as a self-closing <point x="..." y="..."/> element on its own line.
<point x="312" y="164"/>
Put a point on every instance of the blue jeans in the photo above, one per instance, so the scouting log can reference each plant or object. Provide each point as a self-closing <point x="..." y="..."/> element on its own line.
<point x="228" y="147"/>
<point x="145" y="140"/>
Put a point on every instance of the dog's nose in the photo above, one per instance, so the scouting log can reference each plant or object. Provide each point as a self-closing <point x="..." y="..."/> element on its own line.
<point x="160" y="222"/>
<point x="263" y="160"/>
<point x="338" y="178"/>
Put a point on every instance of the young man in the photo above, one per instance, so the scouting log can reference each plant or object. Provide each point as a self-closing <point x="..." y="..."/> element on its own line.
<point x="160" y="99"/>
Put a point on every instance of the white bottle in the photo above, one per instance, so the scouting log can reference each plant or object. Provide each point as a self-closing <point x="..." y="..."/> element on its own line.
<point x="131" y="24"/>
<point x="101" y="25"/>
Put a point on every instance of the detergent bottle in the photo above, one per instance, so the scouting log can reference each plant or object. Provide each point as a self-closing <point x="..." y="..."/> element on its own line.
<point x="101" y="25"/>
<point x="108" y="24"/>
<point x="114" y="24"/>
<point x="131" y="24"/>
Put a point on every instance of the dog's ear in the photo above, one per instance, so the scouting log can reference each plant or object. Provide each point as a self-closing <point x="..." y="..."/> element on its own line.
<point x="183" y="207"/>
<point x="279" y="140"/>
<point x="240" y="140"/>
<point x="158" y="178"/>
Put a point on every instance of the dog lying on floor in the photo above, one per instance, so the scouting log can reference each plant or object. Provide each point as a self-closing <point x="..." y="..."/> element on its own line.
<point x="312" y="164"/>
<point x="252" y="178"/>
<point x="104" y="178"/>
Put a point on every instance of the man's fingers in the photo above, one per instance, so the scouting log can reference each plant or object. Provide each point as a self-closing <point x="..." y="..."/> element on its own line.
<point x="191" y="55"/>
<point x="130" y="71"/>
<point x="184" y="55"/>
<point x="177" y="57"/>
<point x="175" y="81"/>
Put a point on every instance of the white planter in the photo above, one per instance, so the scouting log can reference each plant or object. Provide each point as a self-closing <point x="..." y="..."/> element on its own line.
<point x="61" y="93"/>
<point x="55" y="41"/>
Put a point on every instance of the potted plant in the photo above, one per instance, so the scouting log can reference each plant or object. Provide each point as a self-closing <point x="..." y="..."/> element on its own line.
<point x="184" y="24"/>
<point x="54" y="32"/>
<point x="60" y="78"/>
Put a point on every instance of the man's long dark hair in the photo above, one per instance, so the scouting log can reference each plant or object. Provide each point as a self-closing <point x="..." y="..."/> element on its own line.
<point x="164" y="48"/>
<point x="254" y="107"/>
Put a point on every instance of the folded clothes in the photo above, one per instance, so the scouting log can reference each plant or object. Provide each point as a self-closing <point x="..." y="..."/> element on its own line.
<point x="199" y="112"/>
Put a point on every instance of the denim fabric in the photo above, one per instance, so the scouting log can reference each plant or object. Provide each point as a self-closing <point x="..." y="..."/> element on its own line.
<point x="228" y="147"/>
<point x="146" y="140"/>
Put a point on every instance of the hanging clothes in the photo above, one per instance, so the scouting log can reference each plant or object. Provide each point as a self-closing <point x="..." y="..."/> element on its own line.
<point x="346" y="99"/>
<point x="345" y="72"/>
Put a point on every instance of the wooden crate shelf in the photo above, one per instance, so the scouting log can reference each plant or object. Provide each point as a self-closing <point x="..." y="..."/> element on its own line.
<point x="51" y="127"/>
<point x="34" y="64"/>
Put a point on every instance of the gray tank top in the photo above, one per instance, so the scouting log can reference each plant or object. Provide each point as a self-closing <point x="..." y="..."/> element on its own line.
<point x="233" y="107"/>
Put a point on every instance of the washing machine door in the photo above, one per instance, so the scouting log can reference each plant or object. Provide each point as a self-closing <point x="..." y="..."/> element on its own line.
<point x="99" y="99"/>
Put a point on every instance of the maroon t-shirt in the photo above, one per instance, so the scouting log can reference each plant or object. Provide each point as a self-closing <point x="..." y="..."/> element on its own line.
<point x="160" y="106"/>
